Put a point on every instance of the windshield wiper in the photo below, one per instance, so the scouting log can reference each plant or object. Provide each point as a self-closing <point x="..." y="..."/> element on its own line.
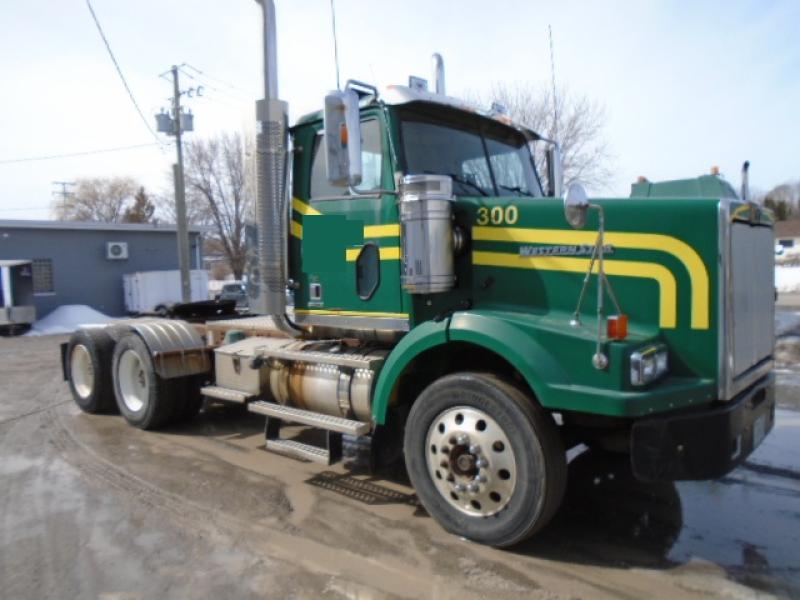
<point x="515" y="188"/>
<point x="458" y="179"/>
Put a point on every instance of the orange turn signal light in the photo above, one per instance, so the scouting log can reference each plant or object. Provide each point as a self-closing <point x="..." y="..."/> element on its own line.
<point x="618" y="327"/>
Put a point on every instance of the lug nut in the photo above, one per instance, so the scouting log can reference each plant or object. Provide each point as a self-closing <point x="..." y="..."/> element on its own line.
<point x="474" y="488"/>
<point x="460" y="487"/>
<point x="462" y="439"/>
<point x="480" y="478"/>
<point x="474" y="449"/>
<point x="481" y="463"/>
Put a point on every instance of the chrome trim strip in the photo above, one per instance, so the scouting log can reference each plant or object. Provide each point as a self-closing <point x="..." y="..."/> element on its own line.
<point x="747" y="378"/>
<point x="724" y="305"/>
<point x="354" y="323"/>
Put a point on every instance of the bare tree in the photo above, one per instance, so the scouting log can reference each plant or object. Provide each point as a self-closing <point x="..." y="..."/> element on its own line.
<point x="783" y="200"/>
<point x="97" y="199"/>
<point x="580" y="129"/>
<point x="218" y="192"/>
<point x="142" y="209"/>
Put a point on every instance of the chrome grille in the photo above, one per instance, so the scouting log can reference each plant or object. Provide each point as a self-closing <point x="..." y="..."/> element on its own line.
<point x="749" y="329"/>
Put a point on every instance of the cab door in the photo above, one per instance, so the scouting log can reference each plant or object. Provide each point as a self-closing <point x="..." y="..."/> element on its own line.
<point x="348" y="268"/>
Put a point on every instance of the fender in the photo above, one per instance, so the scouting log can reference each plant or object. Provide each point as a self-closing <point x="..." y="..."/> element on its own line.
<point x="418" y="340"/>
<point x="177" y="348"/>
<point x="483" y="329"/>
<point x="515" y="344"/>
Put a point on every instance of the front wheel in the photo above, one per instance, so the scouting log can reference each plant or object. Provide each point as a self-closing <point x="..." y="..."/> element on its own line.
<point x="486" y="461"/>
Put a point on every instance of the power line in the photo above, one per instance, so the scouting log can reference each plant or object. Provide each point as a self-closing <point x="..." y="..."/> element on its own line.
<point x="119" y="72"/>
<point x="217" y="79"/>
<point x="335" y="44"/>
<point x="9" y="161"/>
<point x="24" y="208"/>
<point x="553" y="76"/>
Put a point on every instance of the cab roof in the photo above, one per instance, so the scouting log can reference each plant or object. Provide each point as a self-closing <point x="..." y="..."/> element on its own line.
<point x="398" y="95"/>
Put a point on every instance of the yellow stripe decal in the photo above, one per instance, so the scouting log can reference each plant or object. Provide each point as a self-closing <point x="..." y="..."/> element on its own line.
<point x="350" y="313"/>
<point x="698" y="274"/>
<point x="303" y="208"/>
<point x="370" y="231"/>
<point x="392" y="253"/>
<point x="381" y="231"/>
<point x="624" y="268"/>
<point x="297" y="230"/>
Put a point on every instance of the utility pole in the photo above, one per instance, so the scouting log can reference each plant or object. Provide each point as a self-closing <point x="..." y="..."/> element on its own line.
<point x="64" y="193"/>
<point x="175" y="125"/>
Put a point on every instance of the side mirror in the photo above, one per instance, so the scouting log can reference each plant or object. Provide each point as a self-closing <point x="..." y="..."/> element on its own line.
<point x="342" y="138"/>
<point x="576" y="205"/>
<point x="555" y="176"/>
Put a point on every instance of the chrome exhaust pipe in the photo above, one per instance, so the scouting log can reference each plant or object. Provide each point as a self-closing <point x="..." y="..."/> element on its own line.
<point x="272" y="217"/>
<point x="438" y="72"/>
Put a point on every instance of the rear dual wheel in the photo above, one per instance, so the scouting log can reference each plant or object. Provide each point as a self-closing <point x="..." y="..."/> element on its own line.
<point x="145" y="399"/>
<point x="89" y="370"/>
<point x="486" y="461"/>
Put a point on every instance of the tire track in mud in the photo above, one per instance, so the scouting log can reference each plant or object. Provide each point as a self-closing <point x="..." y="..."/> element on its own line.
<point x="280" y="540"/>
<point x="282" y="546"/>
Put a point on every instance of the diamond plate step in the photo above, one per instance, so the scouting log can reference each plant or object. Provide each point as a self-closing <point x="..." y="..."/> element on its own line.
<point x="221" y="393"/>
<point x="306" y="417"/>
<point x="299" y="450"/>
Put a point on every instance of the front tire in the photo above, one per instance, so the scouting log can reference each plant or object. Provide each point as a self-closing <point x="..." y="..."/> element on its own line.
<point x="486" y="461"/>
<point x="146" y="400"/>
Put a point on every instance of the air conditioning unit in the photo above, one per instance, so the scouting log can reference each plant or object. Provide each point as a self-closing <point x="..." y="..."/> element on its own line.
<point x="116" y="250"/>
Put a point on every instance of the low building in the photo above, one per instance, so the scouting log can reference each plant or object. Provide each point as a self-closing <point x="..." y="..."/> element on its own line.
<point x="787" y="234"/>
<point x="83" y="263"/>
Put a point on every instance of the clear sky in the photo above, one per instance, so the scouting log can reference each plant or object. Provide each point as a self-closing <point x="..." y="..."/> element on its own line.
<point x="686" y="85"/>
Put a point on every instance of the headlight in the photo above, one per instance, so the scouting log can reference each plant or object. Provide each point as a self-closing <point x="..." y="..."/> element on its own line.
<point x="648" y="364"/>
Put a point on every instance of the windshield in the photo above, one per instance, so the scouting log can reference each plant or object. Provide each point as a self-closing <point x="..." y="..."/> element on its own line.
<point x="483" y="157"/>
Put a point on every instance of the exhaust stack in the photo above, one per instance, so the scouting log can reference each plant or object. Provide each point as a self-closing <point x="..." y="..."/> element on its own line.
<point x="438" y="73"/>
<point x="271" y="185"/>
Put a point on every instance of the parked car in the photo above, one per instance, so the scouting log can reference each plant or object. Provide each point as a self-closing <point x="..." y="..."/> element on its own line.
<point x="234" y="291"/>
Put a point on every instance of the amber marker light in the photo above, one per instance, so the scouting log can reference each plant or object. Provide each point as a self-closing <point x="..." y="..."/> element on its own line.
<point x="618" y="327"/>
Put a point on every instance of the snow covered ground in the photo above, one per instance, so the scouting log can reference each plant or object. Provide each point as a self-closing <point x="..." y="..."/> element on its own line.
<point x="67" y="318"/>
<point x="787" y="279"/>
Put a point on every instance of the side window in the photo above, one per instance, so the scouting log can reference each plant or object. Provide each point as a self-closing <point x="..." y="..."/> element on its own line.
<point x="371" y="161"/>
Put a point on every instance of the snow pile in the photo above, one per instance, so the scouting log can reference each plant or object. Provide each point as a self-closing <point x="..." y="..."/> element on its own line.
<point x="68" y="318"/>
<point x="787" y="279"/>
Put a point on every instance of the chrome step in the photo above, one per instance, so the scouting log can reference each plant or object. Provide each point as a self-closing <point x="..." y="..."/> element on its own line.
<point x="299" y="450"/>
<point x="221" y="393"/>
<point x="307" y="417"/>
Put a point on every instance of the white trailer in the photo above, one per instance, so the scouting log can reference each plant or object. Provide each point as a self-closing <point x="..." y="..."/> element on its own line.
<point x="149" y="292"/>
<point x="17" y="311"/>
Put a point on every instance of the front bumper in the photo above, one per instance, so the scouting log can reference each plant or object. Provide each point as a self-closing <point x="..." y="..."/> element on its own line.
<point x="704" y="444"/>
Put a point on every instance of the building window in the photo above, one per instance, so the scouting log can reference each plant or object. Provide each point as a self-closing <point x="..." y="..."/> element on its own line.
<point x="43" y="276"/>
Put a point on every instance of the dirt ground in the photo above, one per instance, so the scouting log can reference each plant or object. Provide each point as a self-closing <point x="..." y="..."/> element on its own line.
<point x="93" y="508"/>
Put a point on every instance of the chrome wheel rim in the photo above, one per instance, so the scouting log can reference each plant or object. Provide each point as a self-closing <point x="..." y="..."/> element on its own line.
<point x="81" y="371"/>
<point x="134" y="386"/>
<point x="470" y="461"/>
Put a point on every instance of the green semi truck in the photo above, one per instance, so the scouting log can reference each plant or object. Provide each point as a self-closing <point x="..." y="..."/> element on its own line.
<point x="453" y="311"/>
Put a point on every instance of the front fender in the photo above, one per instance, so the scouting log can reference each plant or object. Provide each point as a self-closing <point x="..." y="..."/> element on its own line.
<point x="500" y="336"/>
<point x="418" y="340"/>
<point x="514" y="344"/>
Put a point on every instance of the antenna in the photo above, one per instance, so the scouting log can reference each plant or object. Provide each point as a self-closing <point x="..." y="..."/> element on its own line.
<point x="553" y="78"/>
<point x="335" y="44"/>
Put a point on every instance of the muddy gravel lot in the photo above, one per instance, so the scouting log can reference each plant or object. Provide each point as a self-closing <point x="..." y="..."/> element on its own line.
<point x="93" y="508"/>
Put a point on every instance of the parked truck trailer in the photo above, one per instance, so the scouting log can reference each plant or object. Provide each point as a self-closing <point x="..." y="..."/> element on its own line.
<point x="452" y="311"/>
